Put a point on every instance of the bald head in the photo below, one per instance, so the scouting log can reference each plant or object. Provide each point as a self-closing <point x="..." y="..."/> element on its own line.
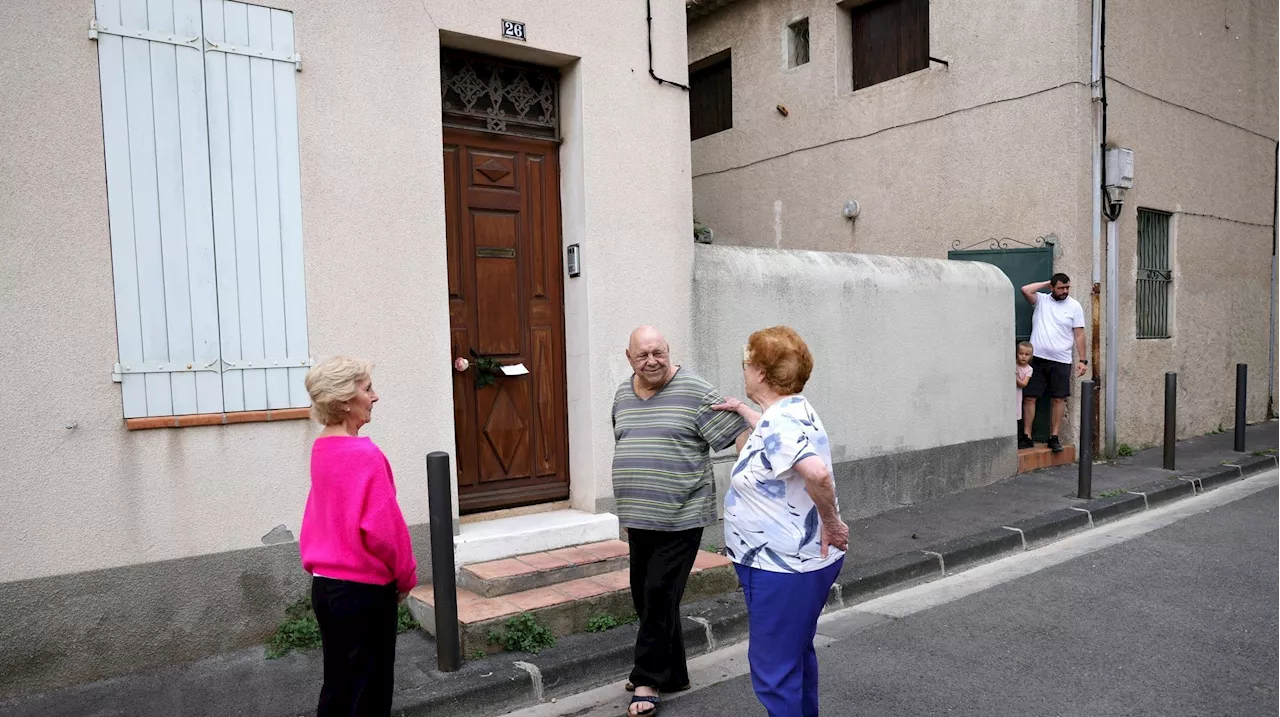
<point x="649" y="356"/>
<point x="646" y="336"/>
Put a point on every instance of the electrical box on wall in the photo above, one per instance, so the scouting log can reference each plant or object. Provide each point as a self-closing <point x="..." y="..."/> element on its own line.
<point x="1120" y="168"/>
<point x="574" y="260"/>
<point x="1119" y="174"/>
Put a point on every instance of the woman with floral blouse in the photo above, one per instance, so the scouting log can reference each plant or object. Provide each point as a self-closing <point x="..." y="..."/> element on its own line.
<point x="782" y="525"/>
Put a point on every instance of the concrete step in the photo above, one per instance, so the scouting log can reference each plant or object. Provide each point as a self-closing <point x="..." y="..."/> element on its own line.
<point x="538" y="570"/>
<point x="564" y="607"/>
<point x="1033" y="459"/>
<point x="505" y="537"/>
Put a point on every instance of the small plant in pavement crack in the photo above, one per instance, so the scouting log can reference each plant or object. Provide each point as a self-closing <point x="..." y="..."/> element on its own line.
<point x="602" y="622"/>
<point x="1111" y="493"/>
<point x="1124" y="450"/>
<point x="300" y="630"/>
<point x="523" y="633"/>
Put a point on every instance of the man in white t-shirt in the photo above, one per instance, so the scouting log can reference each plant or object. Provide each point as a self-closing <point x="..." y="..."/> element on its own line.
<point x="1057" y="326"/>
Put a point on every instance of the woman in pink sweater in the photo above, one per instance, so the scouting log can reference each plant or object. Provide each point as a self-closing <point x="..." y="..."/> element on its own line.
<point x="355" y="544"/>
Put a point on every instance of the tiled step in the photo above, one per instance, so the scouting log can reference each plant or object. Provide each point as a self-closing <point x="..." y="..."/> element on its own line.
<point x="564" y="607"/>
<point x="538" y="570"/>
<point x="1033" y="459"/>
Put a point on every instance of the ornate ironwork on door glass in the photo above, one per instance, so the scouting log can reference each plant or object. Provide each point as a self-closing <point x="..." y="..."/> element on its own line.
<point x="486" y="93"/>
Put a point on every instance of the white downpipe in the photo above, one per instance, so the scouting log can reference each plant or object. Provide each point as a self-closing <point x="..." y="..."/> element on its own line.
<point x="1095" y="84"/>
<point x="1113" y="371"/>
<point x="1271" y="345"/>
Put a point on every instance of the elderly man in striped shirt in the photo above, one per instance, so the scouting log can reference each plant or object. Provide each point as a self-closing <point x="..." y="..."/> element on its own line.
<point x="665" y="430"/>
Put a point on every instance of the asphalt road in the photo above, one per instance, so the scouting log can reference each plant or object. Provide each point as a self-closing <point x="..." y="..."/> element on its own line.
<point x="1181" y="620"/>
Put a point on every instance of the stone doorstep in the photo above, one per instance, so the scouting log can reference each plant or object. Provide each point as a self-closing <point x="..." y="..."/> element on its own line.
<point x="1034" y="459"/>
<point x="537" y="570"/>
<point x="565" y="608"/>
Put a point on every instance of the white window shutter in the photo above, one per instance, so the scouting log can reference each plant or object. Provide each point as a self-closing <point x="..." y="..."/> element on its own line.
<point x="156" y="151"/>
<point x="257" y="206"/>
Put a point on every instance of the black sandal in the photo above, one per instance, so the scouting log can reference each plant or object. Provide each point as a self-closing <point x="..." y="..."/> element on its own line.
<point x="651" y="699"/>
<point x="687" y="686"/>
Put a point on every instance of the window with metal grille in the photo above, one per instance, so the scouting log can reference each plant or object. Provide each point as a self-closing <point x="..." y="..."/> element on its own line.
<point x="1155" y="274"/>
<point x="890" y="39"/>
<point x="711" y="95"/>
<point x="798" y="43"/>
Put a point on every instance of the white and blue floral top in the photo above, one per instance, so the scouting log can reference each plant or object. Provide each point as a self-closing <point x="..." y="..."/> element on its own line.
<point x="770" y="522"/>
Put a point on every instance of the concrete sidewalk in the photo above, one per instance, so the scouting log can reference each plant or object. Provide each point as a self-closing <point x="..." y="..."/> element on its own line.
<point x="889" y="551"/>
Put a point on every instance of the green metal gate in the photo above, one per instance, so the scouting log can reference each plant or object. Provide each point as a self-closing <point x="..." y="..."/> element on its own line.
<point x="1023" y="265"/>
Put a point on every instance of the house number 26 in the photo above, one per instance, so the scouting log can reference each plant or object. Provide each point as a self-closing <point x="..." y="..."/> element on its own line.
<point x="513" y="30"/>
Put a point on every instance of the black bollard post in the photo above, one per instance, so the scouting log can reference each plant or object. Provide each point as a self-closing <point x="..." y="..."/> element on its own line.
<point x="440" y="512"/>
<point x="1170" y="419"/>
<point x="1084" y="459"/>
<point x="1242" y="382"/>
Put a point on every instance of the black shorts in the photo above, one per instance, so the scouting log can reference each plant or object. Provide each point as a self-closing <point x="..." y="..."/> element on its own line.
<point x="1048" y="378"/>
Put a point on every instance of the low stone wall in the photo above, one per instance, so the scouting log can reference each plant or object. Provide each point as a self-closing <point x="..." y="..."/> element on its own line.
<point x="913" y="362"/>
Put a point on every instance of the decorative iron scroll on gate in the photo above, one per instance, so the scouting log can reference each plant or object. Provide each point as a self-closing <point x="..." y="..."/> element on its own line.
<point x="1003" y="243"/>
<point x="486" y="93"/>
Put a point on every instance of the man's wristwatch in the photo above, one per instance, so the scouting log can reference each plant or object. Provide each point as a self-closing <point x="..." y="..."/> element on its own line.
<point x="1083" y="361"/>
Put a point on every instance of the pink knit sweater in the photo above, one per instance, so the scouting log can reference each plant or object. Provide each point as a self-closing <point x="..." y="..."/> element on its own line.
<point x="352" y="528"/>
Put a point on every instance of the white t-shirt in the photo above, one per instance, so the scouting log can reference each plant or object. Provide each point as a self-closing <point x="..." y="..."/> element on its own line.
<point x="770" y="522"/>
<point x="1052" y="325"/>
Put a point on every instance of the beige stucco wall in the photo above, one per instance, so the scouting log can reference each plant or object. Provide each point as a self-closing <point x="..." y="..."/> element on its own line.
<point x="98" y="496"/>
<point x="998" y="144"/>
<point x="930" y="156"/>
<point x="1211" y="161"/>
<point x="995" y="145"/>
<point x="873" y="388"/>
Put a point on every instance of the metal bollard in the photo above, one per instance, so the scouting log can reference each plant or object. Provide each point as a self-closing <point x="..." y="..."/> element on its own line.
<point x="1084" y="459"/>
<point x="1170" y="419"/>
<point x="440" y="511"/>
<point x="1242" y="395"/>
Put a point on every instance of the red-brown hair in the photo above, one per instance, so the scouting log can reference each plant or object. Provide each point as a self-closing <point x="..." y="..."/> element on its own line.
<point x="783" y="356"/>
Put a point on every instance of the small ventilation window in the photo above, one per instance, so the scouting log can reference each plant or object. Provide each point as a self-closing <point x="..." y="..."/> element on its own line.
<point x="798" y="43"/>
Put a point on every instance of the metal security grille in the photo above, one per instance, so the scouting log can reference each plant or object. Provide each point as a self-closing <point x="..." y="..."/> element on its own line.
<point x="1155" y="274"/>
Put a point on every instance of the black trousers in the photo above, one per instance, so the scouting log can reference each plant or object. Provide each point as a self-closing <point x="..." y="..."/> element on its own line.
<point x="660" y="565"/>
<point x="358" y="634"/>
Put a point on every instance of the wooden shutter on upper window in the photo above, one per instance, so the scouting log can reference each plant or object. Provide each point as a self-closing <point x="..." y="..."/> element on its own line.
<point x="711" y="98"/>
<point x="890" y="39"/>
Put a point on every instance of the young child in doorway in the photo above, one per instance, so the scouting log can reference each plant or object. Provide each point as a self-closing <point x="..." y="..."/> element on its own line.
<point x="1021" y="377"/>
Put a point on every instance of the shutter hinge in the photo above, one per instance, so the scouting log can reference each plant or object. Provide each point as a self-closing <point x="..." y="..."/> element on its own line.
<point x="266" y="363"/>
<point x="195" y="43"/>
<point x="229" y="48"/>
<point x="133" y="367"/>
<point x="216" y="365"/>
<point x="166" y="37"/>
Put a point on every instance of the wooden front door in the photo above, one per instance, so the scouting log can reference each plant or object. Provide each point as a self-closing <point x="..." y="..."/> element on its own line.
<point x="506" y="303"/>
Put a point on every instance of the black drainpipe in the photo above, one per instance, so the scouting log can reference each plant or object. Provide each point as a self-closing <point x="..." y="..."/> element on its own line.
<point x="648" y="9"/>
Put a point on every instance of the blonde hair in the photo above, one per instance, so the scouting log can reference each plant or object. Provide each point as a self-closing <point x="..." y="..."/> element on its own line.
<point x="332" y="383"/>
<point x="1026" y="345"/>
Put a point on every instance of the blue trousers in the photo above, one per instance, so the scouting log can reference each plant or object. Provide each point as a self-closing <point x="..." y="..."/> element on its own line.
<point x="783" y="611"/>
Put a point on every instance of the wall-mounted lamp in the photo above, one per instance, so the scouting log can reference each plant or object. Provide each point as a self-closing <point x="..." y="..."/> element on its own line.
<point x="851" y="209"/>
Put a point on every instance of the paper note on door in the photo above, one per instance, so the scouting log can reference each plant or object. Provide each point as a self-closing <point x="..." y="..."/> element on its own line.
<point x="514" y="370"/>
